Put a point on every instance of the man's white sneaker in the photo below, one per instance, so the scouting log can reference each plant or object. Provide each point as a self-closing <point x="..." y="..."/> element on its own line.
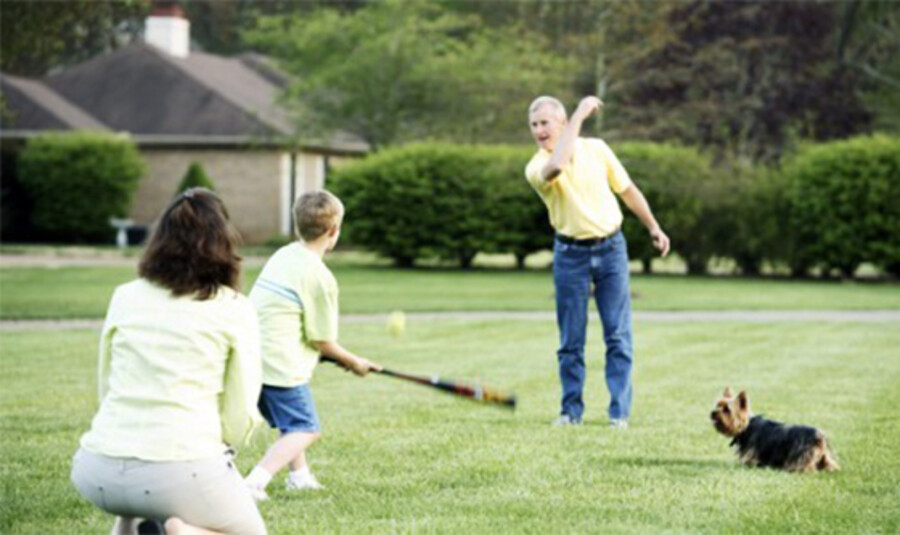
<point x="306" y="482"/>
<point x="618" y="423"/>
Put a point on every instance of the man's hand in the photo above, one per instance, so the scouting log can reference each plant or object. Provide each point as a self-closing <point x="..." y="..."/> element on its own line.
<point x="660" y="241"/>
<point x="588" y="106"/>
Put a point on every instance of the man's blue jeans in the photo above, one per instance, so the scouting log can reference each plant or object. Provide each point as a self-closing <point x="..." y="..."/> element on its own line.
<point x="575" y="267"/>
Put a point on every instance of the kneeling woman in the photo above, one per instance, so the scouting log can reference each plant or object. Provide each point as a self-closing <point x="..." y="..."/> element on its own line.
<point x="179" y="379"/>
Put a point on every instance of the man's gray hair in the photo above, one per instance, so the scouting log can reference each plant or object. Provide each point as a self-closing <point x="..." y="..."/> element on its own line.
<point x="545" y="100"/>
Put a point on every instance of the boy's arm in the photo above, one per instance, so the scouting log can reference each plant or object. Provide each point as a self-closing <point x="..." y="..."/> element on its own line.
<point x="346" y="359"/>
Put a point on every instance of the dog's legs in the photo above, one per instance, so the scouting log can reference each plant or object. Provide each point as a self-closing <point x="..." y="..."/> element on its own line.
<point x="825" y="457"/>
<point x="828" y="463"/>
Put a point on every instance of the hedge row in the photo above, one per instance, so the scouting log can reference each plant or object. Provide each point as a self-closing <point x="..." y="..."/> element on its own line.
<point x="446" y="201"/>
<point x="832" y="206"/>
<point x="844" y="202"/>
<point x="77" y="181"/>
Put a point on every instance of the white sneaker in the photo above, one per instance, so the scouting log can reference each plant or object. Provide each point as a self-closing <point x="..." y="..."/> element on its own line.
<point x="618" y="423"/>
<point x="305" y="482"/>
<point x="258" y="493"/>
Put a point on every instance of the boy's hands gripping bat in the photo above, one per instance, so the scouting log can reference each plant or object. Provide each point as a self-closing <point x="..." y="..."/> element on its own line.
<point x="474" y="392"/>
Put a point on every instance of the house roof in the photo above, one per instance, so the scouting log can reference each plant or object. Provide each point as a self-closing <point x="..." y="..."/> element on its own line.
<point x="36" y="106"/>
<point x="160" y="99"/>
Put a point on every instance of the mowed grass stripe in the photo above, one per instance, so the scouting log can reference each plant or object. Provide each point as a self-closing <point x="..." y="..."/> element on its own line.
<point x="398" y="458"/>
<point x="84" y="292"/>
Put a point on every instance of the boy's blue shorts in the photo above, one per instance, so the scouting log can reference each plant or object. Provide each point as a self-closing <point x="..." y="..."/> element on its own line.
<point x="290" y="409"/>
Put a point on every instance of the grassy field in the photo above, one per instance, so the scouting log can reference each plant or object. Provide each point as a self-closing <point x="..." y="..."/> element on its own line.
<point x="397" y="458"/>
<point x="84" y="292"/>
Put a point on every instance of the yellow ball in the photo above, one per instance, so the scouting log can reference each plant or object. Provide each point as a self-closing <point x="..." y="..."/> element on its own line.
<point x="396" y="323"/>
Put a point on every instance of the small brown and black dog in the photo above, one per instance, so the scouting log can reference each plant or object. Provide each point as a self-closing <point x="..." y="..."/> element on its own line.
<point x="762" y="442"/>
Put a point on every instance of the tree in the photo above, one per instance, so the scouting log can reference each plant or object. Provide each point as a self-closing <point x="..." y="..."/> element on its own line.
<point x="742" y="78"/>
<point x="37" y="36"/>
<point x="868" y="45"/>
<point x="216" y="25"/>
<point x="397" y="71"/>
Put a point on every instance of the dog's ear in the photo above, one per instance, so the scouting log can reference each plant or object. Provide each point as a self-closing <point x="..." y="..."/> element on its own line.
<point x="727" y="393"/>
<point x="742" y="401"/>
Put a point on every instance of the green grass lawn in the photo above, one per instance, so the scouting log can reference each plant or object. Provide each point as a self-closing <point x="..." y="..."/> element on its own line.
<point x="84" y="292"/>
<point x="397" y="458"/>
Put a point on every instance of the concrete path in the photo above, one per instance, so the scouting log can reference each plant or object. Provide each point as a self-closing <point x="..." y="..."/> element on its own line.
<point x="741" y="316"/>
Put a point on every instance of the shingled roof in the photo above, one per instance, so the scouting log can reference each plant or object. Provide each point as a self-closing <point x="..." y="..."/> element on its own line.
<point x="146" y="91"/>
<point x="33" y="106"/>
<point x="160" y="98"/>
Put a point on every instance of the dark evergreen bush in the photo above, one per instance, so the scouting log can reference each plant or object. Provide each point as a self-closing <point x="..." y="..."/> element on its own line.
<point x="77" y="181"/>
<point x="195" y="178"/>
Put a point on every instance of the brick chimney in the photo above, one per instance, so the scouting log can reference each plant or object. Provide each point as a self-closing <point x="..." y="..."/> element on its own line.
<point x="168" y="29"/>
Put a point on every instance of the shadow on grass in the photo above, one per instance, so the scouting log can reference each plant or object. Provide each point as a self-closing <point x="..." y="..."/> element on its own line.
<point x="662" y="462"/>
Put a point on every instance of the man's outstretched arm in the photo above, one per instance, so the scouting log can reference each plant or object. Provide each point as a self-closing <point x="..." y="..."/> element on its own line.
<point x="565" y="146"/>
<point x="636" y="202"/>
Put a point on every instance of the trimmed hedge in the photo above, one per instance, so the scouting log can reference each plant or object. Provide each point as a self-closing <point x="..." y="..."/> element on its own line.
<point x="441" y="200"/>
<point x="844" y="198"/>
<point x="832" y="206"/>
<point x="519" y="220"/>
<point x="684" y="194"/>
<point x="77" y="181"/>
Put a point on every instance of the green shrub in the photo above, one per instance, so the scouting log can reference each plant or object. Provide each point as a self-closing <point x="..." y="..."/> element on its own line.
<point x="517" y="216"/>
<point x="195" y="178"/>
<point x="845" y="204"/>
<point x="78" y="181"/>
<point x="751" y="229"/>
<point x="684" y="194"/>
<point x="442" y="200"/>
<point x="416" y="201"/>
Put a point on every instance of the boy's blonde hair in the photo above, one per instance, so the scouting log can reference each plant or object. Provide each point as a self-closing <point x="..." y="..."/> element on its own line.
<point x="317" y="212"/>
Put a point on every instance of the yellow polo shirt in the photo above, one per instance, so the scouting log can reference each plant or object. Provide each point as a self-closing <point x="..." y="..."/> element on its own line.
<point x="580" y="200"/>
<point x="179" y="379"/>
<point x="296" y="299"/>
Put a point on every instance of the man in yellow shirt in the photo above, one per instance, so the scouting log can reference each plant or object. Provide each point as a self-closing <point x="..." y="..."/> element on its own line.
<point x="576" y="178"/>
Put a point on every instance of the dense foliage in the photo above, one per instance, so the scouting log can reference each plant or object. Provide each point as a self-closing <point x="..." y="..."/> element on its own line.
<point x="684" y="195"/>
<point x="398" y="71"/>
<point x="834" y="206"/>
<point x="743" y="79"/>
<point x="448" y="201"/>
<point x="844" y="198"/>
<point x="195" y="177"/>
<point x="78" y="181"/>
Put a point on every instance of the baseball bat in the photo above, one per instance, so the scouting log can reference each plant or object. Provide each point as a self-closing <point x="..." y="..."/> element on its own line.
<point x="474" y="392"/>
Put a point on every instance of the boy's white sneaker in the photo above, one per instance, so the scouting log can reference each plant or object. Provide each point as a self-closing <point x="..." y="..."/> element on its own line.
<point x="258" y="493"/>
<point x="305" y="482"/>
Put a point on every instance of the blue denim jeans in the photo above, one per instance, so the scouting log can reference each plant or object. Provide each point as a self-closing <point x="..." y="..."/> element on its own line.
<point x="575" y="267"/>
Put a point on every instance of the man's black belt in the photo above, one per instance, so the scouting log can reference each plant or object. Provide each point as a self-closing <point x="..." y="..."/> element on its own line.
<point x="587" y="242"/>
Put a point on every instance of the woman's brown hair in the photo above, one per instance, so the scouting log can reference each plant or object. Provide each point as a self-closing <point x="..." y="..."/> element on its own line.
<point x="192" y="248"/>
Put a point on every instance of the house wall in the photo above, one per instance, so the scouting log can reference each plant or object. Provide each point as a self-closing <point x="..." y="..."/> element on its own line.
<point x="247" y="180"/>
<point x="255" y="184"/>
<point x="309" y="174"/>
